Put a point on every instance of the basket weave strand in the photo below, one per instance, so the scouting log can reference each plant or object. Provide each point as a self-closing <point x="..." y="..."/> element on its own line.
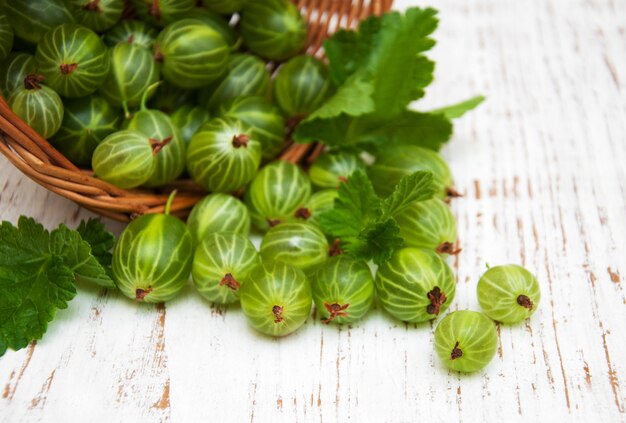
<point x="41" y="162"/>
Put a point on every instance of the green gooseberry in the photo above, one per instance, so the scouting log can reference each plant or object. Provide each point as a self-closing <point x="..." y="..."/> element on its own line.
<point x="273" y="29"/>
<point x="73" y="59"/>
<point x="218" y="23"/>
<point x="40" y="107"/>
<point x="191" y="53"/>
<point x="162" y="12"/>
<point x="222" y="263"/>
<point x="86" y="122"/>
<point x="97" y="15"/>
<point x="133" y="70"/>
<point x="189" y="119"/>
<point x="320" y="202"/>
<point x="343" y="290"/>
<point x="331" y="169"/>
<point x="153" y="257"/>
<point x="131" y="32"/>
<point x="125" y="159"/>
<point x="466" y="341"/>
<point x="14" y="70"/>
<point x="508" y="293"/>
<point x="393" y="164"/>
<point x="159" y="128"/>
<point x="276" y="193"/>
<point x="246" y="75"/>
<point x="428" y="224"/>
<point x="222" y="156"/>
<point x="297" y="243"/>
<point x="266" y="123"/>
<point x="276" y="299"/>
<point x="6" y="36"/>
<point x="415" y="285"/>
<point x="301" y="86"/>
<point x="33" y="18"/>
<point x="218" y="213"/>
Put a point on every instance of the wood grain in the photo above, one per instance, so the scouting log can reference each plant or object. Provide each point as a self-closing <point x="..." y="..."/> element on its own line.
<point x="541" y="167"/>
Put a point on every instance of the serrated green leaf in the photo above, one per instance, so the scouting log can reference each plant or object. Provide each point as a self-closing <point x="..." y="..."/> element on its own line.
<point x="76" y="254"/>
<point x="459" y="109"/>
<point x="376" y="242"/>
<point x="102" y="241"/>
<point x="354" y="207"/>
<point x="34" y="282"/>
<point x="417" y="186"/>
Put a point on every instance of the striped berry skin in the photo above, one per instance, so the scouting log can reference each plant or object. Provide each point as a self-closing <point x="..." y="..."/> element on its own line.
<point x="97" y="15"/>
<point x="246" y="75"/>
<point x="343" y="290"/>
<point x="222" y="156"/>
<point x="320" y="202"/>
<point x="331" y="169"/>
<point x="299" y="244"/>
<point x="395" y="163"/>
<point x="276" y="299"/>
<point x="152" y="259"/>
<point x="86" y="123"/>
<point x="162" y="12"/>
<point x="131" y="32"/>
<point x="39" y="107"/>
<point x="33" y="18"/>
<point x="14" y="70"/>
<point x="427" y="224"/>
<point x="466" y="341"/>
<point x="170" y="160"/>
<point x="133" y="70"/>
<point x="124" y="159"/>
<point x="508" y="293"/>
<point x="266" y="122"/>
<point x="6" y="36"/>
<point x="415" y="285"/>
<point x="73" y="59"/>
<point x="273" y="29"/>
<point x="222" y="263"/>
<point x="218" y="213"/>
<point x="277" y="191"/>
<point x="191" y="53"/>
<point x="189" y="119"/>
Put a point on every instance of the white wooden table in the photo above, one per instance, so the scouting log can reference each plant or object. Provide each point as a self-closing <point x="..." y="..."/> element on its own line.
<point x="542" y="166"/>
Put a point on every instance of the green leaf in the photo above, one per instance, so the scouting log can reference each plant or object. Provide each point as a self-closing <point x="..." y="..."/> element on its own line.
<point x="102" y="241"/>
<point x="76" y="254"/>
<point x="412" y="128"/>
<point x="354" y="207"/>
<point x="380" y="70"/>
<point x="417" y="186"/>
<point x="34" y="282"/>
<point x="459" y="109"/>
<point x="376" y="241"/>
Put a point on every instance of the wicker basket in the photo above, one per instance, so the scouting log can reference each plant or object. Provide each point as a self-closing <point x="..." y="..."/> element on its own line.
<point x="41" y="162"/>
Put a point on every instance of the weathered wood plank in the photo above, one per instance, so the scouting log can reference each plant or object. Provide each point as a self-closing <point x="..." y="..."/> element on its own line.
<point x="541" y="167"/>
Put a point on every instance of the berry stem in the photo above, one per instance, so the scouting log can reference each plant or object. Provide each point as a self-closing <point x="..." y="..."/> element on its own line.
<point x="229" y="281"/>
<point x="170" y="200"/>
<point x="302" y="213"/>
<point x="335" y="310"/>
<point x="456" y="352"/>
<point x="525" y="302"/>
<point x="158" y="145"/>
<point x="241" y="140"/>
<point x="278" y="313"/>
<point x="31" y="82"/>
<point x="140" y="294"/>
<point x="93" y="6"/>
<point x="437" y="299"/>
<point x="67" y="68"/>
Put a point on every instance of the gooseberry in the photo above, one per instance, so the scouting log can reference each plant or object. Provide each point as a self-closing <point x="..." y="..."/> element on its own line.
<point x="218" y="213"/>
<point x="415" y="285"/>
<point x="508" y="293"/>
<point x="297" y="243"/>
<point x="466" y="341"/>
<point x="40" y="107"/>
<point x="331" y="169"/>
<point x="276" y="299"/>
<point x="428" y="224"/>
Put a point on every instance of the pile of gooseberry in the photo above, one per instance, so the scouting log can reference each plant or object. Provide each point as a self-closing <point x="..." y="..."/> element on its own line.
<point x="211" y="90"/>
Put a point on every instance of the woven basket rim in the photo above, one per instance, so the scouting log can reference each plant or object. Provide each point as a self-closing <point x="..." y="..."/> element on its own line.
<point x="40" y="161"/>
